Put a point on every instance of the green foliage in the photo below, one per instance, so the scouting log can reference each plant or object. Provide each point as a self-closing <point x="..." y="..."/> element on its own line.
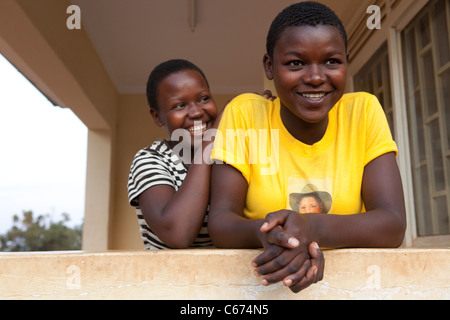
<point x="40" y="234"/>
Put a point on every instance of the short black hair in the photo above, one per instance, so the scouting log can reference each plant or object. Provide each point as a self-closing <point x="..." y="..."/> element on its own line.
<point x="162" y="71"/>
<point x="307" y="13"/>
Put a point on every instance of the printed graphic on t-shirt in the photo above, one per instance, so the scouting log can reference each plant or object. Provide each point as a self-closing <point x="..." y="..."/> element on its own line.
<point x="309" y="195"/>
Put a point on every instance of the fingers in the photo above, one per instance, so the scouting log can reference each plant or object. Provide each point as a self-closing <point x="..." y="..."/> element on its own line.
<point x="317" y="260"/>
<point x="305" y="281"/>
<point x="282" y="238"/>
<point x="290" y="274"/>
<point x="268" y="95"/>
<point x="275" y="240"/>
<point x="270" y="253"/>
<point x="285" y="258"/>
<point x="288" y="262"/>
<point x="297" y="270"/>
<point x="314" y="274"/>
<point x="274" y="219"/>
<point x="277" y="220"/>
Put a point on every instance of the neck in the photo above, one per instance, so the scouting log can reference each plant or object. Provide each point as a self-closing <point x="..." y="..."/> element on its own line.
<point x="306" y="132"/>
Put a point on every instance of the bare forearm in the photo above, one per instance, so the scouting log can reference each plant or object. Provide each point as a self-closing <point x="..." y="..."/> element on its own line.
<point x="227" y="226"/>
<point x="186" y="210"/>
<point x="384" y="223"/>
<point x="177" y="216"/>
<point x="376" y="228"/>
<point x="229" y="230"/>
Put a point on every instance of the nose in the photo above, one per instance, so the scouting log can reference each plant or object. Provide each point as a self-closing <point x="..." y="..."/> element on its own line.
<point x="314" y="75"/>
<point x="195" y="111"/>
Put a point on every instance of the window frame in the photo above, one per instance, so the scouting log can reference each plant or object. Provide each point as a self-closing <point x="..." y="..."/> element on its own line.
<point x="398" y="16"/>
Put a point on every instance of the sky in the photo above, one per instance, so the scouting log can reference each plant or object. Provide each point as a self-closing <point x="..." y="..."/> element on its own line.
<point x="43" y="152"/>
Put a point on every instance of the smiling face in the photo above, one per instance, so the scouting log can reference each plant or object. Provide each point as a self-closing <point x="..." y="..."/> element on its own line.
<point x="310" y="204"/>
<point x="309" y="69"/>
<point x="185" y="102"/>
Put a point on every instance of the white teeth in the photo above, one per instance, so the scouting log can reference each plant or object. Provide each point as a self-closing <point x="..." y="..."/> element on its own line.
<point x="198" y="128"/>
<point x="314" y="96"/>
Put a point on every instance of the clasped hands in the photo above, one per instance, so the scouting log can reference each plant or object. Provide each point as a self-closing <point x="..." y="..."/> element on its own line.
<point x="289" y="254"/>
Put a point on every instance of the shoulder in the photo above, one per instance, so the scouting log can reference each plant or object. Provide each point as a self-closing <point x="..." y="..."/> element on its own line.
<point x="247" y="107"/>
<point x="248" y="101"/>
<point x="159" y="154"/>
<point x="154" y="165"/>
<point x="362" y="103"/>
<point x="159" y="149"/>
<point x="357" y="98"/>
<point x="248" y="97"/>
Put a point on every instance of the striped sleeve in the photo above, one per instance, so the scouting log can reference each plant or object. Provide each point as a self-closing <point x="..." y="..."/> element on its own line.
<point x="148" y="169"/>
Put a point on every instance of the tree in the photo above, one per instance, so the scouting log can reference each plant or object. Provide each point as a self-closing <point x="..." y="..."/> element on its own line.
<point x="40" y="234"/>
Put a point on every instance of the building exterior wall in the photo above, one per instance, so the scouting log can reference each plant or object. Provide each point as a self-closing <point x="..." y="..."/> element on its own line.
<point x="221" y="274"/>
<point x="65" y="67"/>
<point x="135" y="130"/>
<point x="364" y="42"/>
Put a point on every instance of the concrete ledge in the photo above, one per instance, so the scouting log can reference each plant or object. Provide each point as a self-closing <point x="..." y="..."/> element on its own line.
<point x="220" y="274"/>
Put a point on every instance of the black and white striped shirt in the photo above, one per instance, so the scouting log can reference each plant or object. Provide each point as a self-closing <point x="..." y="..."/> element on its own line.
<point x="153" y="166"/>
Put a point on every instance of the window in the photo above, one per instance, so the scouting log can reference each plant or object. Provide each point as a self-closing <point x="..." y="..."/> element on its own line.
<point x="374" y="78"/>
<point x="426" y="58"/>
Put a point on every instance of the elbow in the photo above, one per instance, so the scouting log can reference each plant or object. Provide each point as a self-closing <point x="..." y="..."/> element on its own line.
<point x="176" y="237"/>
<point x="400" y="236"/>
<point x="178" y="243"/>
<point x="219" y="244"/>
<point x="396" y="241"/>
<point x="216" y="232"/>
<point x="173" y="232"/>
<point x="398" y="230"/>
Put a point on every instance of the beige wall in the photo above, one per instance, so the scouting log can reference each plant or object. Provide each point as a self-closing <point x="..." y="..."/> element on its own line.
<point x="63" y="64"/>
<point x="221" y="274"/>
<point x="135" y="130"/>
<point x="65" y="67"/>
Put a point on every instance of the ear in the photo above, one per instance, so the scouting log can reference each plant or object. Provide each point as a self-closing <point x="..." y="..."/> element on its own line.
<point x="268" y="67"/>
<point x="156" y="117"/>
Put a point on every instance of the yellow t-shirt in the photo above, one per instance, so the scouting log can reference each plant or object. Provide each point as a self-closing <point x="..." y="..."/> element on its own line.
<point x="284" y="173"/>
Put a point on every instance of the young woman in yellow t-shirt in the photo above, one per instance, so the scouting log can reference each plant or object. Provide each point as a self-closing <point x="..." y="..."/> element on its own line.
<point x="339" y="143"/>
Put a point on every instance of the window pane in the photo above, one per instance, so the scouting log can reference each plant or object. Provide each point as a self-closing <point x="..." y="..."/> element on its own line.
<point x="411" y="52"/>
<point x="442" y="34"/>
<point x="424" y="31"/>
<point x="422" y="202"/>
<point x="445" y="80"/>
<point x="378" y="76"/>
<point x="442" y="208"/>
<point x="374" y="77"/>
<point x="436" y="152"/>
<point x="420" y="145"/>
<point x="387" y="81"/>
<point x="429" y="85"/>
<point x="426" y="40"/>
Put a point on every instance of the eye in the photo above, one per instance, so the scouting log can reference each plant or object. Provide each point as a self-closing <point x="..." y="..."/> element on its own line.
<point x="295" y="63"/>
<point x="332" y="62"/>
<point x="204" y="99"/>
<point x="178" y="106"/>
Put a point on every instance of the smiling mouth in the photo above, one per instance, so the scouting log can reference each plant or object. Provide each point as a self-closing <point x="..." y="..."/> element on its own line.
<point x="198" y="129"/>
<point x="313" y="96"/>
